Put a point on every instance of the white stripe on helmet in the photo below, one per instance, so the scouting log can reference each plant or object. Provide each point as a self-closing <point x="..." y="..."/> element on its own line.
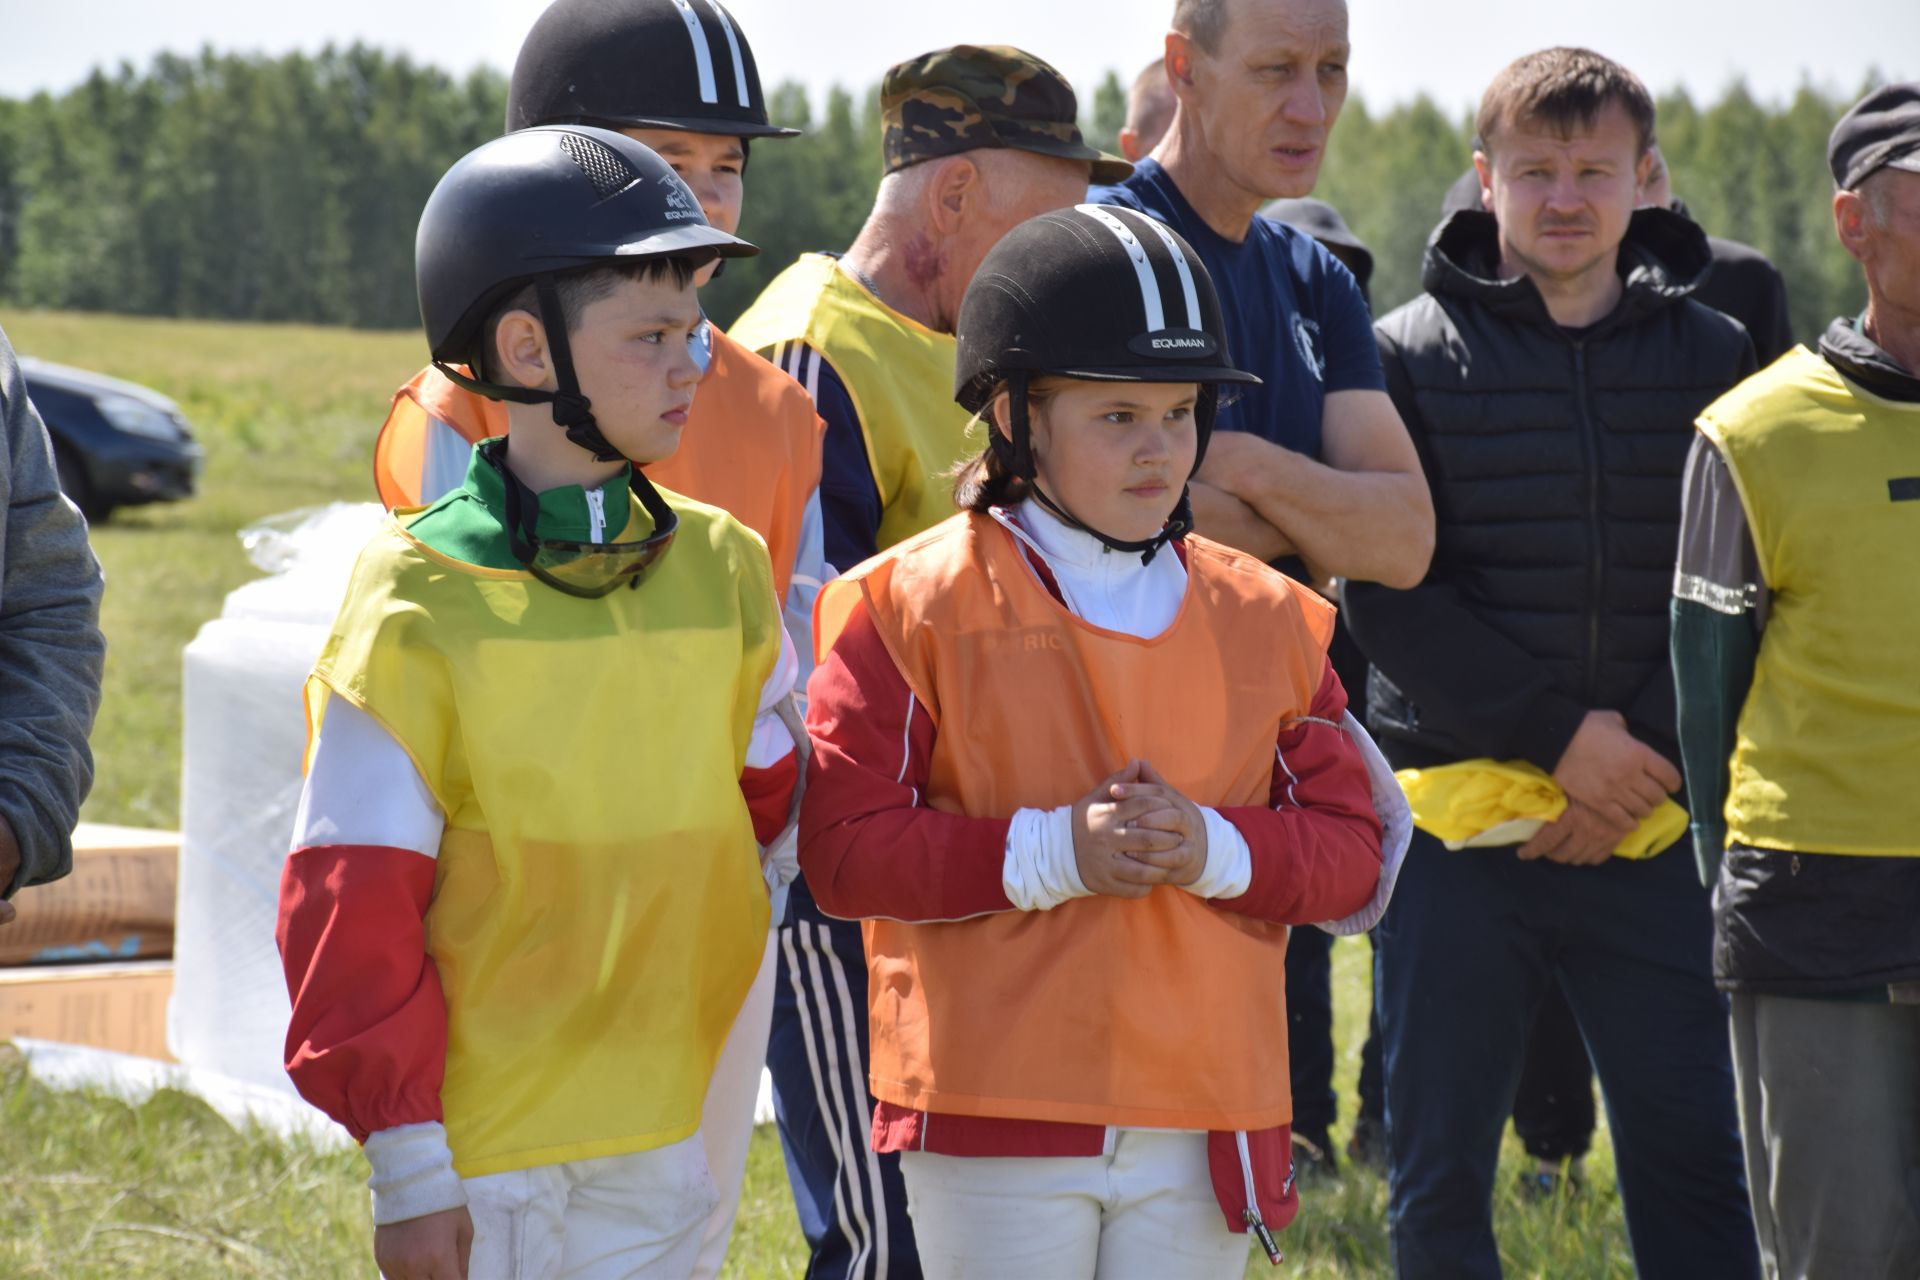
<point x="1142" y="265"/>
<point x="733" y="47"/>
<point x="702" y="54"/>
<point x="1186" y="272"/>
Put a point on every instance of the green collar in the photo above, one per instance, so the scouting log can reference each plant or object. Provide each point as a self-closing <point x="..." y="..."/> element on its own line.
<point x="469" y="524"/>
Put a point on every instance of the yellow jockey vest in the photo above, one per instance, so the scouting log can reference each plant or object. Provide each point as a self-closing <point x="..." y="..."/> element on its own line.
<point x="898" y="373"/>
<point x="598" y="909"/>
<point x="1827" y="758"/>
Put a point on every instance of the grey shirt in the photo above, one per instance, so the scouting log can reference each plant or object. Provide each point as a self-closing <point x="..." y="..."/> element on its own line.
<point x="1718" y="566"/>
<point x="51" y="649"/>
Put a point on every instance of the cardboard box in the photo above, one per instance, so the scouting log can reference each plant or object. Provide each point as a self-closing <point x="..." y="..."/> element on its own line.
<point x="109" y="1006"/>
<point x="116" y="905"/>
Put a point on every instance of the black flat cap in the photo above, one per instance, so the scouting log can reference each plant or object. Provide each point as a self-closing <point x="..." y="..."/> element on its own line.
<point x="1882" y="130"/>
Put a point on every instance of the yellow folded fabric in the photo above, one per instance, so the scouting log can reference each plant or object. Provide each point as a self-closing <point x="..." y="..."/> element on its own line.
<point x="1480" y="803"/>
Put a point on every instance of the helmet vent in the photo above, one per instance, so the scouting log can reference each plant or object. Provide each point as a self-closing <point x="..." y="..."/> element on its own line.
<point x="603" y="166"/>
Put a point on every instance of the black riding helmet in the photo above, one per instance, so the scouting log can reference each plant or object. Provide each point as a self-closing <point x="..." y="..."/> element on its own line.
<point x="1092" y="292"/>
<point x="647" y="64"/>
<point x="527" y="209"/>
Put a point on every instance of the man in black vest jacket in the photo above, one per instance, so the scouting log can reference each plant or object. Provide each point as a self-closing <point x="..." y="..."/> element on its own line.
<point x="1744" y="283"/>
<point x="1550" y="377"/>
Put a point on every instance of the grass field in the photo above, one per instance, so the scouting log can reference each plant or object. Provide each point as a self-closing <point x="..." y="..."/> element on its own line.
<point x="93" y="1188"/>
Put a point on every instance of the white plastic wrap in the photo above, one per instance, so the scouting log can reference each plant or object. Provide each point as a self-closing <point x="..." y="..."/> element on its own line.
<point x="244" y="734"/>
<point x="78" y="1066"/>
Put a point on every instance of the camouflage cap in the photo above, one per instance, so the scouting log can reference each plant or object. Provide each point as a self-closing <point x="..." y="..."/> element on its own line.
<point x="973" y="96"/>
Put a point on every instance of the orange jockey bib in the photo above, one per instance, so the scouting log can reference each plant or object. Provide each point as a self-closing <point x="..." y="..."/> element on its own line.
<point x="751" y="445"/>
<point x="1159" y="1012"/>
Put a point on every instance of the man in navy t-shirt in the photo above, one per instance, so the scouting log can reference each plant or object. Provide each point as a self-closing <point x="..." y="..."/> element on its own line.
<point x="1313" y="467"/>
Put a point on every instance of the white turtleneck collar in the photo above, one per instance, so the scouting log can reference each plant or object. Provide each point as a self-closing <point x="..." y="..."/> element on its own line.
<point x="1107" y="588"/>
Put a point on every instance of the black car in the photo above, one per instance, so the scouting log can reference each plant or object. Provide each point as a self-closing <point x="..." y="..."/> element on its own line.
<point x="116" y="443"/>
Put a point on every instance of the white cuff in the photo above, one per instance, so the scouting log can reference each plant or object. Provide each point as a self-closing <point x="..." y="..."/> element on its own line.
<point x="1229" y="867"/>
<point x="1396" y="832"/>
<point x="1040" y="871"/>
<point x="412" y="1173"/>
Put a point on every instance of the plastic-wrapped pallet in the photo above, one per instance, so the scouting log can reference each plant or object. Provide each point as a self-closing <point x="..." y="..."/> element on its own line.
<point x="245" y="732"/>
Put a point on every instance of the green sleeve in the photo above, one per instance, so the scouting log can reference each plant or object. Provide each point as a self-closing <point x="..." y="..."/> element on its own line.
<point x="1713" y="654"/>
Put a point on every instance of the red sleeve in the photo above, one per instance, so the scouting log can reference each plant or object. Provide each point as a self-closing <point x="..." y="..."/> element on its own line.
<point x="769" y="794"/>
<point x="1316" y="852"/>
<point x="868" y="845"/>
<point x="368" y="1039"/>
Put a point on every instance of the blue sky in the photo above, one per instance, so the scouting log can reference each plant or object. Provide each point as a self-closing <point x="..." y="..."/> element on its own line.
<point x="1400" y="46"/>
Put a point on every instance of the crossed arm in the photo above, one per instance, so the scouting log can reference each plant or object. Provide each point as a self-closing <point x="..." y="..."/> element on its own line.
<point x="1362" y="513"/>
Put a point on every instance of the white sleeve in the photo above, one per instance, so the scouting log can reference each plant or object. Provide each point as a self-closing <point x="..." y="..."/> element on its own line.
<point x="1229" y="868"/>
<point x="772" y="740"/>
<point x="778" y="732"/>
<point x="810" y="572"/>
<point x="412" y="1173"/>
<point x="1396" y="833"/>
<point x="362" y="788"/>
<point x="1040" y="871"/>
<point x="444" y="466"/>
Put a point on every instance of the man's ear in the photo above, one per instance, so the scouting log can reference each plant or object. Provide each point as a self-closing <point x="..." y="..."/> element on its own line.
<point x="520" y="351"/>
<point x="1483" y="165"/>
<point x="957" y="185"/>
<point x="1644" y="171"/>
<point x="1850" y="223"/>
<point x="1179" y="62"/>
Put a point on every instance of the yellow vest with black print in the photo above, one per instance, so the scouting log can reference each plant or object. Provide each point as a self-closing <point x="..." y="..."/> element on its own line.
<point x="598" y="911"/>
<point x="1827" y="758"/>
<point x="898" y="373"/>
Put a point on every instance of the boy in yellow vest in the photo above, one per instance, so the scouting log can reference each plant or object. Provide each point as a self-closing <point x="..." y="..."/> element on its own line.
<point x="1079" y="772"/>
<point x="524" y="901"/>
<point x="1796" y="606"/>
<point x="681" y="78"/>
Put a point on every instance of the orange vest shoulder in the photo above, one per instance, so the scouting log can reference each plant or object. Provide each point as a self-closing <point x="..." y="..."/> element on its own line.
<point x="751" y="445"/>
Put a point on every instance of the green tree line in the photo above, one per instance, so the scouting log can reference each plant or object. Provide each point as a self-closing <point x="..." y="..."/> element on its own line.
<point x="287" y="188"/>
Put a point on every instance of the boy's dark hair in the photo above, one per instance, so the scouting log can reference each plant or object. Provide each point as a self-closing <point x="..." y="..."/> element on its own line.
<point x="578" y="290"/>
<point x="1564" y="89"/>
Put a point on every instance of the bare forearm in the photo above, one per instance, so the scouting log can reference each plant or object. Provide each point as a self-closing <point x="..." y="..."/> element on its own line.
<point x="1222" y="517"/>
<point x="1367" y="526"/>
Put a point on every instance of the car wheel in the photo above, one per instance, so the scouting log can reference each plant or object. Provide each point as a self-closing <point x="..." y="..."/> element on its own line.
<point x="74" y="483"/>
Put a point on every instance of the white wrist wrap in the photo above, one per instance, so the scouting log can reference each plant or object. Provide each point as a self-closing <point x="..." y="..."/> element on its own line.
<point x="1229" y="861"/>
<point x="1040" y="871"/>
<point x="412" y="1173"/>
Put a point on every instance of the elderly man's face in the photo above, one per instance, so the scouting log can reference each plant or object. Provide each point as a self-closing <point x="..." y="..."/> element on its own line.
<point x="1882" y="230"/>
<point x="1267" y="97"/>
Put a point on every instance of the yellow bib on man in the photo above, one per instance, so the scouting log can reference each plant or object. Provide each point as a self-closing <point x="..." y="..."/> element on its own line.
<point x="598" y="909"/>
<point x="1828" y="749"/>
<point x="898" y="373"/>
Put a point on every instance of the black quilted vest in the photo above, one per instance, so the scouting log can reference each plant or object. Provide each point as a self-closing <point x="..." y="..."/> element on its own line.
<point x="1555" y="457"/>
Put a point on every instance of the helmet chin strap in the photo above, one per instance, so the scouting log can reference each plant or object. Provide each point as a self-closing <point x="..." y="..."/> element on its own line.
<point x="571" y="410"/>
<point x="1017" y="453"/>
<point x="1178" y="526"/>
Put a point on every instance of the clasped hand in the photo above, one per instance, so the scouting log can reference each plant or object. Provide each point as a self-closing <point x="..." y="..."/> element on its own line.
<point x="1133" y="832"/>
<point x="1612" y="781"/>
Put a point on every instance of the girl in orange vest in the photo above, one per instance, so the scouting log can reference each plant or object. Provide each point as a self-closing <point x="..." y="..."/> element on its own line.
<point x="1079" y="772"/>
